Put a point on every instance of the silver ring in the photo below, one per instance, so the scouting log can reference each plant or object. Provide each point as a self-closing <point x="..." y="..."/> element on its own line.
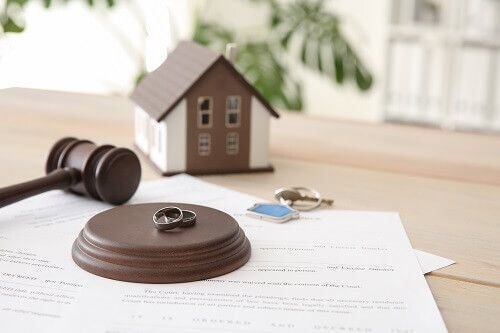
<point x="168" y="218"/>
<point x="188" y="218"/>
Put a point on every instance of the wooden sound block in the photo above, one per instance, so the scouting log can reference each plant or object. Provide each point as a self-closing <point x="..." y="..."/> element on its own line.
<point x="123" y="244"/>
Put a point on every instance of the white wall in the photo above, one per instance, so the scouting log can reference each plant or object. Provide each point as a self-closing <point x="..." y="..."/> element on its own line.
<point x="165" y="141"/>
<point x="157" y="145"/>
<point x="259" y="135"/>
<point x="70" y="47"/>
<point x="141" y="129"/>
<point x="176" y="137"/>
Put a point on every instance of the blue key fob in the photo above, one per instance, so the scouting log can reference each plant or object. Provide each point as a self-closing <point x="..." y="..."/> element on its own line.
<point x="272" y="212"/>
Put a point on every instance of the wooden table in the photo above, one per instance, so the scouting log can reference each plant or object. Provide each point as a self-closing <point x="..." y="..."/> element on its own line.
<point x="446" y="185"/>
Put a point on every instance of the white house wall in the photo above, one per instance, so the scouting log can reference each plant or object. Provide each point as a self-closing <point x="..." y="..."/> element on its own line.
<point x="141" y="129"/>
<point x="259" y="135"/>
<point x="176" y="138"/>
<point x="157" y="146"/>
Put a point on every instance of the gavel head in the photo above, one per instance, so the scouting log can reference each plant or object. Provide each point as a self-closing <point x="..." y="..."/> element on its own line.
<point x="108" y="173"/>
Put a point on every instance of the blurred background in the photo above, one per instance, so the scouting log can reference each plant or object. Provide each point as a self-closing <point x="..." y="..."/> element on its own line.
<point x="427" y="62"/>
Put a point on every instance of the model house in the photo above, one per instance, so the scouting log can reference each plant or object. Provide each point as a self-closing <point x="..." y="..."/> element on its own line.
<point x="197" y="114"/>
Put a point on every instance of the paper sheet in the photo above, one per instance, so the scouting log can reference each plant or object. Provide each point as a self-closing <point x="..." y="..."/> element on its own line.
<point x="430" y="262"/>
<point x="330" y="271"/>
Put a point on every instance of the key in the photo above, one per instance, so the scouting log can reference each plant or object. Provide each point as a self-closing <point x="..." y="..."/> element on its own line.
<point x="328" y="202"/>
<point x="294" y="195"/>
<point x="291" y="196"/>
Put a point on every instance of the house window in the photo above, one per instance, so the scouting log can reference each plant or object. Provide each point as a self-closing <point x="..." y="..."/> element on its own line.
<point x="204" y="143"/>
<point x="232" y="143"/>
<point x="205" y="107"/>
<point x="233" y="111"/>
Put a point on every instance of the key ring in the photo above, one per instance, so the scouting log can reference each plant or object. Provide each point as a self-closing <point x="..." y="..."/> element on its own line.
<point x="293" y="194"/>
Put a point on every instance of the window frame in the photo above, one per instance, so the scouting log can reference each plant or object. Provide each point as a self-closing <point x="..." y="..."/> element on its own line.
<point x="229" y="111"/>
<point x="236" y="150"/>
<point x="209" y="145"/>
<point x="201" y="112"/>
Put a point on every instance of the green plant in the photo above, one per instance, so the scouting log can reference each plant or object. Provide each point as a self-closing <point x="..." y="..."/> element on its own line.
<point x="323" y="48"/>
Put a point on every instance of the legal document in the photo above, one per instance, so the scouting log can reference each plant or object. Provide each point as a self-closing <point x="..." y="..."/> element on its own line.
<point x="329" y="271"/>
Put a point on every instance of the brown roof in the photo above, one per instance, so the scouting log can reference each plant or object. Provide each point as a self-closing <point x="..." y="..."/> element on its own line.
<point x="161" y="90"/>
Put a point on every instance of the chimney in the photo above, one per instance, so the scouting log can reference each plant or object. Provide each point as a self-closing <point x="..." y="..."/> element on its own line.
<point x="231" y="49"/>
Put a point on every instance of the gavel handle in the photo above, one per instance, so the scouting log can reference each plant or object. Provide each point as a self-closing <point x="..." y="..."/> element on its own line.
<point x="57" y="179"/>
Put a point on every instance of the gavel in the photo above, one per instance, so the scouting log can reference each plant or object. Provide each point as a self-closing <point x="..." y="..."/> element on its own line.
<point x="105" y="173"/>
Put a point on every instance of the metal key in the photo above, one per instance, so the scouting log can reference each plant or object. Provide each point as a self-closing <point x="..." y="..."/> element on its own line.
<point x="290" y="196"/>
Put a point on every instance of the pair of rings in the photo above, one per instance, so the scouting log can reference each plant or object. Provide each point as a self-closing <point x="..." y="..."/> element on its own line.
<point x="169" y="218"/>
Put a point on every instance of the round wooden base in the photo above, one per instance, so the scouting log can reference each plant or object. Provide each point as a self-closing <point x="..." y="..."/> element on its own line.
<point x="123" y="244"/>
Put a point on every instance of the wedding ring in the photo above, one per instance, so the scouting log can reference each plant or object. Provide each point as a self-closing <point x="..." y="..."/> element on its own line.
<point x="188" y="218"/>
<point x="168" y="218"/>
